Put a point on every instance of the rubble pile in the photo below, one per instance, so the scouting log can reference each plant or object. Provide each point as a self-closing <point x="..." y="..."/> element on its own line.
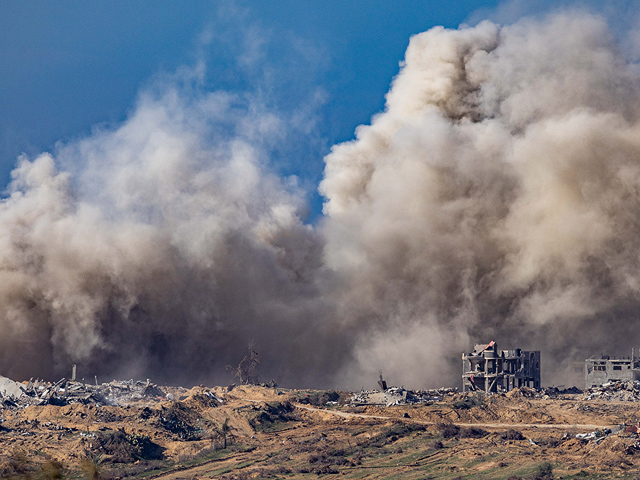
<point x="628" y="434"/>
<point x="524" y="392"/>
<point x="561" y="390"/>
<point x="617" y="391"/>
<point x="597" y="435"/>
<point x="544" y="393"/>
<point x="400" y="396"/>
<point x="63" y="392"/>
<point x="9" y="388"/>
<point x="129" y="391"/>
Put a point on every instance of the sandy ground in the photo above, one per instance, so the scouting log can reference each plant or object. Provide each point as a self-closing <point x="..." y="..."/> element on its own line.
<point x="270" y="434"/>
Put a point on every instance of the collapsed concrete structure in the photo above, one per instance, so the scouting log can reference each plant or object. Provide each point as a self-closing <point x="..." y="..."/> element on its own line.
<point x="64" y="392"/>
<point x="491" y="370"/>
<point x="599" y="371"/>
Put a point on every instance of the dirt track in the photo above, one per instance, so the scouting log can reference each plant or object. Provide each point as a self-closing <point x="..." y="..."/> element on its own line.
<point x="481" y="425"/>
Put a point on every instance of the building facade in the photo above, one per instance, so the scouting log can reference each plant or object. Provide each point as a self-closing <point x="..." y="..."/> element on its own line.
<point x="604" y="369"/>
<point x="488" y="369"/>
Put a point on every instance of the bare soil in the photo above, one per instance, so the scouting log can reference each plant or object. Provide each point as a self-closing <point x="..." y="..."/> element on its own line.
<point x="269" y="433"/>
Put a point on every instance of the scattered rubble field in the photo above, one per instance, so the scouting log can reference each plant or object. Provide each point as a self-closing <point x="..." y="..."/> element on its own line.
<point x="140" y="430"/>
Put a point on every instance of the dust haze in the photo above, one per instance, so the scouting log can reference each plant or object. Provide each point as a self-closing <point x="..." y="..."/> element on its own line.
<point x="497" y="196"/>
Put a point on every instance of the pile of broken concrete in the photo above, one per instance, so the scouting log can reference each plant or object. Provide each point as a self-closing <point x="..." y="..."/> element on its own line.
<point x="399" y="396"/>
<point x="618" y="391"/>
<point x="63" y="392"/>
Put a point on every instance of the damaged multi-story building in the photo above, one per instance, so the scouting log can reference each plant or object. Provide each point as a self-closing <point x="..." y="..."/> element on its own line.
<point x="491" y="370"/>
<point x="604" y="369"/>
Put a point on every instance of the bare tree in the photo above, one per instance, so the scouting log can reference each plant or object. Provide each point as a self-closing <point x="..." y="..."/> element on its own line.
<point x="247" y="370"/>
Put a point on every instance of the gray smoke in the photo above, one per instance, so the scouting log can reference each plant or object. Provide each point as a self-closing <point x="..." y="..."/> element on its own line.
<point x="497" y="196"/>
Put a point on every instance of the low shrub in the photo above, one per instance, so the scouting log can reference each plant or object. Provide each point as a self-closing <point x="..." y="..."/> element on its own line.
<point x="472" y="432"/>
<point x="512" y="434"/>
<point x="545" y="472"/>
<point x="448" y="430"/>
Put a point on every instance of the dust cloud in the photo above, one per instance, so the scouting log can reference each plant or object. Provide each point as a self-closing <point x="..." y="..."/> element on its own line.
<point x="497" y="196"/>
<point x="169" y="248"/>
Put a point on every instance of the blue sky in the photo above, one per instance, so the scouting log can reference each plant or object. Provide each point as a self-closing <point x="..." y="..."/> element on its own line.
<point x="67" y="66"/>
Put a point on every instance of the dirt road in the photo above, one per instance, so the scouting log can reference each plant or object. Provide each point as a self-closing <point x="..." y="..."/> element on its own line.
<point x="483" y="425"/>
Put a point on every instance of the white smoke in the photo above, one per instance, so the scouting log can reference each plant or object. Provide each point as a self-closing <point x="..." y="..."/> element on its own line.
<point x="169" y="249"/>
<point x="496" y="196"/>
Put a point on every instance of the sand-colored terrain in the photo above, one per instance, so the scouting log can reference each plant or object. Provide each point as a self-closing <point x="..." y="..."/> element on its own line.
<point x="280" y="433"/>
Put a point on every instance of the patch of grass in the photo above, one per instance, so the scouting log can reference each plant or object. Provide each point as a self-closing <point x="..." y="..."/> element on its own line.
<point x="138" y="470"/>
<point x="276" y="426"/>
<point x="239" y="466"/>
<point x="392" y="434"/>
<point x="146" y="469"/>
<point x="529" y="472"/>
<point x="582" y="474"/>
<point x="545" y="472"/>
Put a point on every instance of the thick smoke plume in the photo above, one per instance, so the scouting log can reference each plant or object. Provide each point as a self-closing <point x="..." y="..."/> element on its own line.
<point x="496" y="196"/>
<point x="168" y="250"/>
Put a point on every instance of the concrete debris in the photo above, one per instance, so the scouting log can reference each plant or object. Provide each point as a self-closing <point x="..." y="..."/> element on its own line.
<point x="10" y="389"/>
<point x="63" y="392"/>
<point x="545" y="393"/>
<point x="597" y="436"/>
<point x="604" y="369"/>
<point x="617" y="391"/>
<point x="399" y="396"/>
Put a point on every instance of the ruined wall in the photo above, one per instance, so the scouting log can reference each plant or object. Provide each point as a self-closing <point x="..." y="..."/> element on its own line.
<point x="491" y="370"/>
<point x="598" y="371"/>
